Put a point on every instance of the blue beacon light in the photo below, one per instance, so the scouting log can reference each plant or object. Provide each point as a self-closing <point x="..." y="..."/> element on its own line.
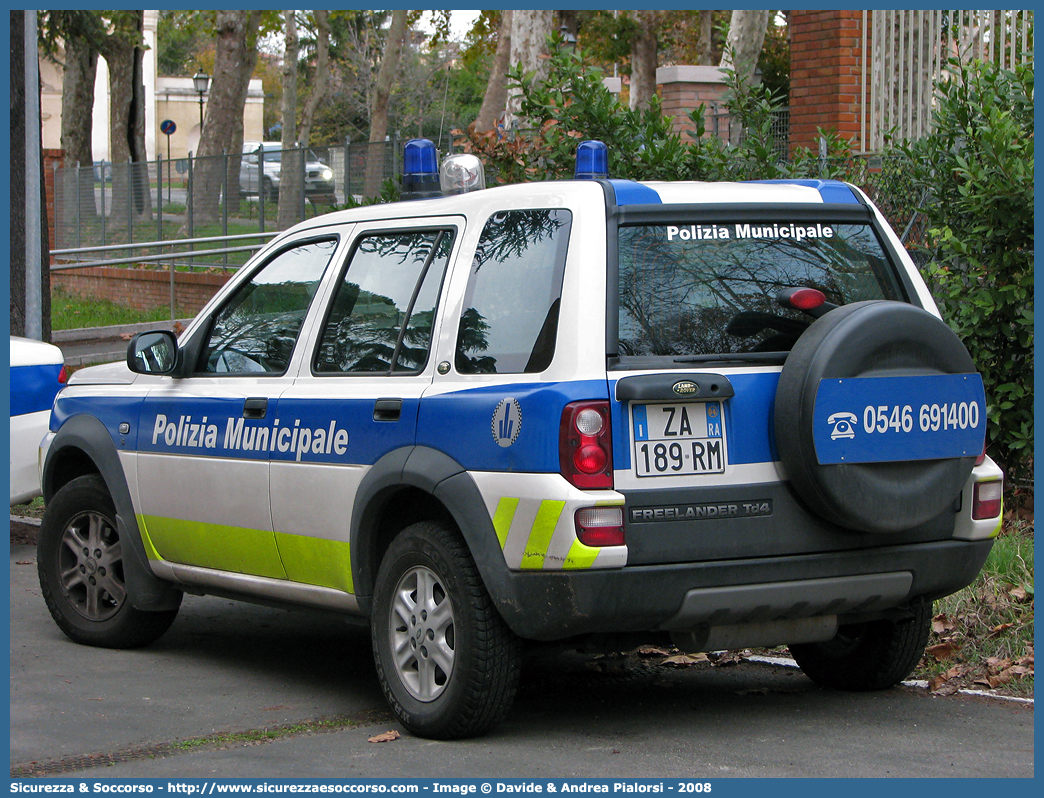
<point x="420" y="170"/>
<point x="592" y="161"/>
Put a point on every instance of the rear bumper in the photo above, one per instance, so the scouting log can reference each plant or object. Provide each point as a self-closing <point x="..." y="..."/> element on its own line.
<point x="556" y="605"/>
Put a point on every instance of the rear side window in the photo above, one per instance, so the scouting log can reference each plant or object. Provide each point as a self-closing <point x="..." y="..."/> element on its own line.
<point x="380" y="319"/>
<point x="693" y="289"/>
<point x="510" y="317"/>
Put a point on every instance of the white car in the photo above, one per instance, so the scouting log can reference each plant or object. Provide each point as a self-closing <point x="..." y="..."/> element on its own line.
<point x="554" y="411"/>
<point x="319" y="182"/>
<point x="37" y="374"/>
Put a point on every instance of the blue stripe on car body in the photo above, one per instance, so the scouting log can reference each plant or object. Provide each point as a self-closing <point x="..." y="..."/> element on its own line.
<point x="33" y="388"/>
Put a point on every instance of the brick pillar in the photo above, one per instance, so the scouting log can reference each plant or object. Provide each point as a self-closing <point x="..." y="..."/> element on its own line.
<point x="683" y="88"/>
<point x="52" y="159"/>
<point x="826" y="56"/>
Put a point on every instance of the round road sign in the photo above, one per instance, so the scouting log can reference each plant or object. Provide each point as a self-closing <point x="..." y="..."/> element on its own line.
<point x="167" y="127"/>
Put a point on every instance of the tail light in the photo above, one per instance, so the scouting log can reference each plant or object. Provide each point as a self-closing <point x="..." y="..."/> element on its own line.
<point x="986" y="500"/>
<point x="585" y="445"/>
<point x="63" y="375"/>
<point x="600" y="526"/>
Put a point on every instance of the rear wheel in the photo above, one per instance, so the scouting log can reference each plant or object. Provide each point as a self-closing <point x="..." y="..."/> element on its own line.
<point x="80" y="565"/>
<point x="448" y="664"/>
<point x="868" y="656"/>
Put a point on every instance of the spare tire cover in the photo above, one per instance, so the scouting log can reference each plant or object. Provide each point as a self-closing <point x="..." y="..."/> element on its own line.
<point x="878" y="338"/>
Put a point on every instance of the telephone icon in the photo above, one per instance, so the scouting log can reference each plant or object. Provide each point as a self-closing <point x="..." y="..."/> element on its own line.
<point x="844" y="425"/>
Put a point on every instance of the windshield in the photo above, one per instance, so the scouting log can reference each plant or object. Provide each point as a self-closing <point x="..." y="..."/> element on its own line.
<point x="710" y="288"/>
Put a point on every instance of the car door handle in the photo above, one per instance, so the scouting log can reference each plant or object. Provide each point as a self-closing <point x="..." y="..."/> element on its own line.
<point x="255" y="407"/>
<point x="387" y="409"/>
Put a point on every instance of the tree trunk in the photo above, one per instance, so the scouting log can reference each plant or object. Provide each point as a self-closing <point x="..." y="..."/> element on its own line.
<point x="291" y="179"/>
<point x="241" y="79"/>
<point x="77" y="176"/>
<point x="235" y="59"/>
<point x="529" y="31"/>
<point x="322" y="61"/>
<point x="746" y="38"/>
<point x="643" y="61"/>
<point x="18" y="187"/>
<point x="495" y="99"/>
<point x="131" y="199"/>
<point x="704" y="38"/>
<point x="382" y="92"/>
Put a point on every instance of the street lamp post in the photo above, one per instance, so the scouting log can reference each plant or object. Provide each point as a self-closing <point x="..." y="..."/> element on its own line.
<point x="201" y="80"/>
<point x="568" y="40"/>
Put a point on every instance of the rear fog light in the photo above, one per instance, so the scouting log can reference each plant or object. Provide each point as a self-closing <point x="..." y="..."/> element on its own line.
<point x="986" y="501"/>
<point x="600" y="526"/>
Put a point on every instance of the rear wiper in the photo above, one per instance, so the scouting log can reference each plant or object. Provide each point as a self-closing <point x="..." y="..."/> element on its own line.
<point x="743" y="357"/>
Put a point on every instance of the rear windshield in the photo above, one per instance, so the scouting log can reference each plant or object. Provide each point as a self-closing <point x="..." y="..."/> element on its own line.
<point x="710" y="288"/>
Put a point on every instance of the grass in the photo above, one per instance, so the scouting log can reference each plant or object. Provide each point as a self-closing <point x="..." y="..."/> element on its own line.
<point x="982" y="636"/>
<point x="70" y="312"/>
<point x="33" y="509"/>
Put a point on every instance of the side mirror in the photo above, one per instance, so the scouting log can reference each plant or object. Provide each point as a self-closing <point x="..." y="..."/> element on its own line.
<point x="153" y="353"/>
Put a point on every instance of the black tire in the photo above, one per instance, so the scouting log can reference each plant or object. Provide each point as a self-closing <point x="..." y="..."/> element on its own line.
<point x="80" y="563"/>
<point x="458" y="666"/>
<point x="867" y="339"/>
<point x="868" y="656"/>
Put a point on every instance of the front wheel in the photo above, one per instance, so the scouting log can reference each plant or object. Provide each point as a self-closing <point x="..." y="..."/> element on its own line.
<point x="446" y="661"/>
<point x="868" y="656"/>
<point x="80" y="564"/>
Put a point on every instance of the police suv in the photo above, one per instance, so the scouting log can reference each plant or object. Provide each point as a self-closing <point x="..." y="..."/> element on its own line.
<point x="727" y="413"/>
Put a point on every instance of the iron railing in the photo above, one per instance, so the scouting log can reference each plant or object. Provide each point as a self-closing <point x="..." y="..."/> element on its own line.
<point x="163" y="200"/>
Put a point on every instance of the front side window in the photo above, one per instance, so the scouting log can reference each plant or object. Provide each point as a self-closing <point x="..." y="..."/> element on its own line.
<point x="510" y="318"/>
<point x="710" y="288"/>
<point x="381" y="317"/>
<point x="256" y="330"/>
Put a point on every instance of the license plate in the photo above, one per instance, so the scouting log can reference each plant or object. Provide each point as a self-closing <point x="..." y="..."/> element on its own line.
<point x="678" y="439"/>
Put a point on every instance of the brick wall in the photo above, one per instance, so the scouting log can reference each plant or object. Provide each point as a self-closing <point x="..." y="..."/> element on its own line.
<point x="825" y="74"/>
<point x="683" y="88"/>
<point x="52" y="159"/>
<point x="141" y="289"/>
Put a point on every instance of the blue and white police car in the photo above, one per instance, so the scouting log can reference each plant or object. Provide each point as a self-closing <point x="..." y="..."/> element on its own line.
<point x="37" y="374"/>
<point x="727" y="414"/>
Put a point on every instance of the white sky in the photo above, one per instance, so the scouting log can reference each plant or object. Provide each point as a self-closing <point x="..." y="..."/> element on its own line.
<point x="460" y="22"/>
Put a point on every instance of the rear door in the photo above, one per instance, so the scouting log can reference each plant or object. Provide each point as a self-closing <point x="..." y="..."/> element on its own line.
<point x="701" y="343"/>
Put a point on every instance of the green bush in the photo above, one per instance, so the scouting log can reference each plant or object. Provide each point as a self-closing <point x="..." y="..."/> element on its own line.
<point x="977" y="170"/>
<point x="570" y="106"/>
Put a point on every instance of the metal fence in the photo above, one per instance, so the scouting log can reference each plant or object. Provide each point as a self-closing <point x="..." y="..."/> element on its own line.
<point x="725" y="126"/>
<point x="181" y="215"/>
<point x="222" y="197"/>
<point x="906" y="54"/>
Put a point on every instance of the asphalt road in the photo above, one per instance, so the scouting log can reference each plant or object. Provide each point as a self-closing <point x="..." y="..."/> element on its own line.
<point x="235" y="670"/>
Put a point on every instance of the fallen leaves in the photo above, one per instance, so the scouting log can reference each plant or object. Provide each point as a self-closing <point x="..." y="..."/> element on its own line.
<point x="727" y="658"/>
<point x="949" y="682"/>
<point x="684" y="660"/>
<point x="942" y="624"/>
<point x="1000" y="671"/>
<point x="386" y="737"/>
<point x="942" y="651"/>
<point x="1020" y="594"/>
